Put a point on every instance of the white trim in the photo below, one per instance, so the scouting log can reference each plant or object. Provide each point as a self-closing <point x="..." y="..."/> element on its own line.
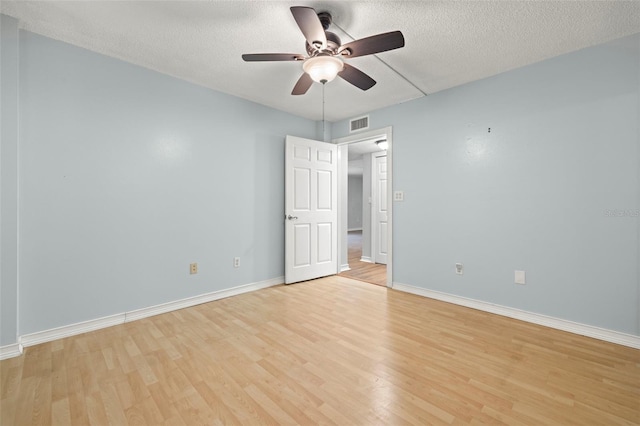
<point x="366" y="259"/>
<point x="70" y="330"/>
<point x="345" y="267"/>
<point x="386" y="132"/>
<point x="599" y="333"/>
<point x="97" y="324"/>
<point x="10" y="351"/>
<point x="198" y="300"/>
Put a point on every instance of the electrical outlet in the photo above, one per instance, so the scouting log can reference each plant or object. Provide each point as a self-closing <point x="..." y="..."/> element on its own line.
<point x="398" y="195"/>
<point x="519" y="278"/>
<point x="236" y="262"/>
<point x="193" y="268"/>
<point x="459" y="269"/>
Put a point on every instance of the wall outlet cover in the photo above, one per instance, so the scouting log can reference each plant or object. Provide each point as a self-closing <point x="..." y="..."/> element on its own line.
<point x="459" y="269"/>
<point x="519" y="277"/>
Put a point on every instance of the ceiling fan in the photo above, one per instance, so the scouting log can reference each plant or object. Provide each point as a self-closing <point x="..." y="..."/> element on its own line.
<point x="326" y="54"/>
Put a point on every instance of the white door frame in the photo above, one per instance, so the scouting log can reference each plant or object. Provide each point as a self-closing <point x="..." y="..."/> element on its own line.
<point x="342" y="143"/>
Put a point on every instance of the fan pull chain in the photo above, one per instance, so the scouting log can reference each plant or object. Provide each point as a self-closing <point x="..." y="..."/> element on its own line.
<point x="323" y="122"/>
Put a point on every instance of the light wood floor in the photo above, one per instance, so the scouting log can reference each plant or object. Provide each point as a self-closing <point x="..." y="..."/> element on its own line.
<point x="373" y="273"/>
<point x="312" y="353"/>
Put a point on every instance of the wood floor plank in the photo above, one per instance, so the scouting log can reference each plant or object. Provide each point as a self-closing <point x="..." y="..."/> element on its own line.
<point x="112" y="407"/>
<point x="23" y="412"/>
<point x="330" y="351"/>
<point x="60" y="414"/>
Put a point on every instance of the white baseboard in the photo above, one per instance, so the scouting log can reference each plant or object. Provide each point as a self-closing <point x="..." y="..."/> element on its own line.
<point x="366" y="259"/>
<point x="198" y="300"/>
<point x="10" y="351"/>
<point x="344" y="268"/>
<point x="97" y="324"/>
<point x="611" y="336"/>
<point x="354" y="229"/>
<point x="70" y="330"/>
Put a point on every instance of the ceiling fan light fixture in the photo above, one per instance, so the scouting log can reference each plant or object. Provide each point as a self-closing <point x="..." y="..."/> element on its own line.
<point x="322" y="69"/>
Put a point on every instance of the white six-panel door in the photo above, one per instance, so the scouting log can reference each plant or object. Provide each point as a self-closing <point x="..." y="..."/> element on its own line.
<point x="311" y="213"/>
<point x="379" y="222"/>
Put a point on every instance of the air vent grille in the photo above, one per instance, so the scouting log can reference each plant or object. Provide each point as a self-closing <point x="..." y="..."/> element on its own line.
<point x="359" y="123"/>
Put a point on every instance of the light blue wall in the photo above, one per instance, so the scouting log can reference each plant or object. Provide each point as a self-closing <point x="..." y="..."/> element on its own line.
<point x="534" y="194"/>
<point x="128" y="175"/>
<point x="8" y="180"/>
<point x="354" y="208"/>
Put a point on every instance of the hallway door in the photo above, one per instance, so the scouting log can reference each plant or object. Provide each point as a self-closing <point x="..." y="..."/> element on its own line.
<point x="379" y="208"/>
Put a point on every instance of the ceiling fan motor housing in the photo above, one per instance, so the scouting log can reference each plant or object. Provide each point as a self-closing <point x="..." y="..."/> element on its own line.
<point x="333" y="44"/>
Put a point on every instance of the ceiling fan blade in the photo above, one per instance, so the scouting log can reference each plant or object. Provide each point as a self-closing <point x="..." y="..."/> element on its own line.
<point x="257" y="57"/>
<point x="309" y="23"/>
<point x="303" y="84"/>
<point x="374" y="44"/>
<point x="356" y="77"/>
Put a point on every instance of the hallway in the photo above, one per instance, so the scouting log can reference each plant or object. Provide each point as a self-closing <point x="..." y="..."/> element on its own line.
<point x="373" y="273"/>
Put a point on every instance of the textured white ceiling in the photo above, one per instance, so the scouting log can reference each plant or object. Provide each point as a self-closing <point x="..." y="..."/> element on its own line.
<point x="448" y="43"/>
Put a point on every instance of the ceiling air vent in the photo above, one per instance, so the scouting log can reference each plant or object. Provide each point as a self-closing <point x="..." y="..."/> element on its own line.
<point x="359" y="123"/>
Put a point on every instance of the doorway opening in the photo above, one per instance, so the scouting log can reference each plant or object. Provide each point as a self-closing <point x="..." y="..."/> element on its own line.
<point x="364" y="205"/>
<point x="374" y="273"/>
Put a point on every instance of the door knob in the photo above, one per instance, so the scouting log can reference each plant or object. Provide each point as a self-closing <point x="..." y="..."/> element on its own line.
<point x="291" y="217"/>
